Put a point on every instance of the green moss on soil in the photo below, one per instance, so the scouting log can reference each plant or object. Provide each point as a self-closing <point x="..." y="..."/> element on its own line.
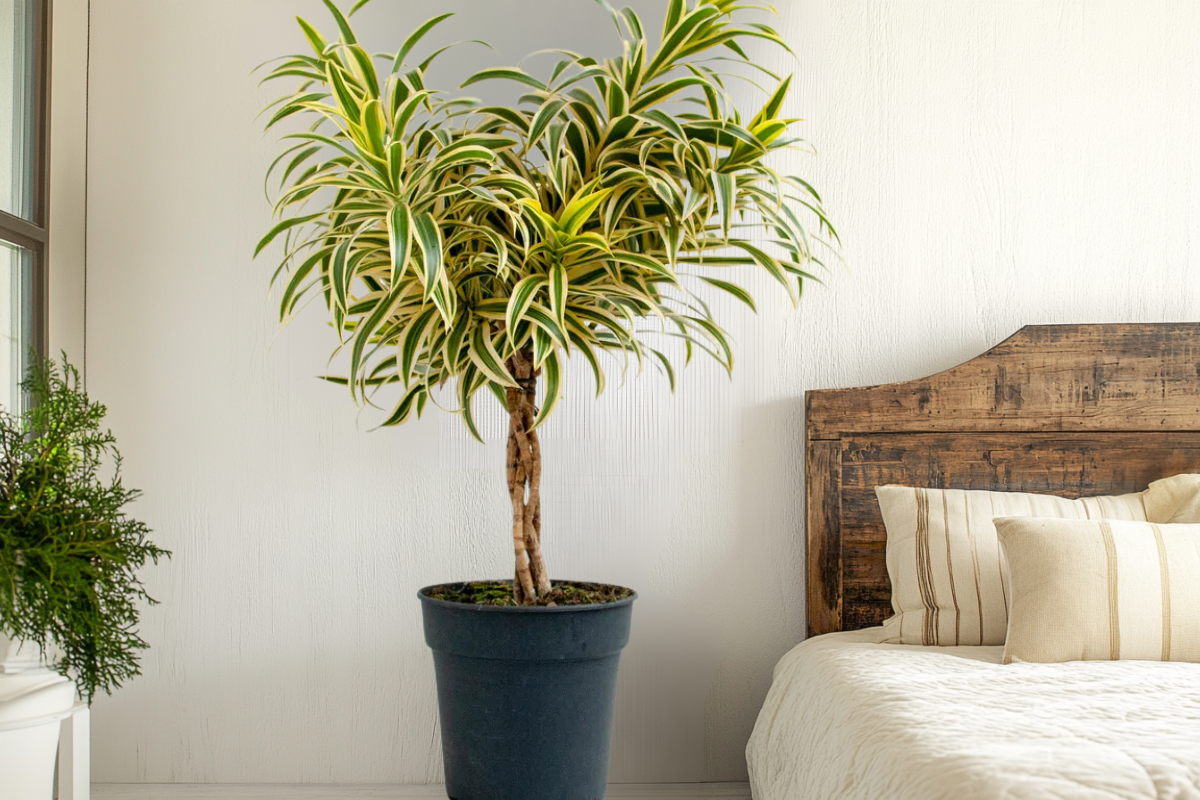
<point x="499" y="593"/>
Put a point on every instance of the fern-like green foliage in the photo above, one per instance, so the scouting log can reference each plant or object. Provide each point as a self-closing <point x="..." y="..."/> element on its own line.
<point x="69" y="554"/>
<point x="444" y="234"/>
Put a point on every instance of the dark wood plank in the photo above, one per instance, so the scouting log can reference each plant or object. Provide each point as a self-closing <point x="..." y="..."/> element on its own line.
<point x="866" y="605"/>
<point x="1072" y="410"/>
<point x="823" y="475"/>
<point x="1067" y="464"/>
<point x="1134" y="377"/>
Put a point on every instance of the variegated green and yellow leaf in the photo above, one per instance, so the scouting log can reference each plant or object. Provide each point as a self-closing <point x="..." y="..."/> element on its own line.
<point x="448" y="234"/>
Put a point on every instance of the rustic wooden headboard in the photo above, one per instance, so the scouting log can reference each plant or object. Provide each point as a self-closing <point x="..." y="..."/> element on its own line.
<point x="1073" y="410"/>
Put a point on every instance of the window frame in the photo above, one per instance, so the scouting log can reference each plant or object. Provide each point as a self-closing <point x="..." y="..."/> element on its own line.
<point x="34" y="235"/>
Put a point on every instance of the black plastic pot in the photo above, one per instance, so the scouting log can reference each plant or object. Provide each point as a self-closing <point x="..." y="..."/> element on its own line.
<point x="526" y="696"/>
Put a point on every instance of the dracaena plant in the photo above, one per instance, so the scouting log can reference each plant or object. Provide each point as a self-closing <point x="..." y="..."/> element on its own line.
<point x="481" y="246"/>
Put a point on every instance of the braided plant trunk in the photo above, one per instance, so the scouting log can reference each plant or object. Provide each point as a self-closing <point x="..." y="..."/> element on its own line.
<point x="524" y="481"/>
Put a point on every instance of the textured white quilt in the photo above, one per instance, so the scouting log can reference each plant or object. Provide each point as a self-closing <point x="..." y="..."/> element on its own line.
<point x="847" y="717"/>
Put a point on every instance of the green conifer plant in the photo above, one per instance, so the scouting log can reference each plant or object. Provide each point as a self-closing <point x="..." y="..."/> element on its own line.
<point x="69" y="554"/>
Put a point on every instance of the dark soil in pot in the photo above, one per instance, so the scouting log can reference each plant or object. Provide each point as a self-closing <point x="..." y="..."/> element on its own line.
<point x="500" y="593"/>
<point x="526" y="693"/>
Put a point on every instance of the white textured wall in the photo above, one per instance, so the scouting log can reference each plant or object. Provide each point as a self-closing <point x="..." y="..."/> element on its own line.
<point x="991" y="164"/>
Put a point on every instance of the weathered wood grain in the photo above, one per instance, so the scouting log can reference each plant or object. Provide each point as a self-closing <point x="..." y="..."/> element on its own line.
<point x="1069" y="410"/>
<point x="823" y="477"/>
<point x="1134" y="377"/>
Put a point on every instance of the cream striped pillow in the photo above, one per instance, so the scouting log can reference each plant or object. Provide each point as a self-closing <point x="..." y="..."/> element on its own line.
<point x="1101" y="590"/>
<point x="943" y="558"/>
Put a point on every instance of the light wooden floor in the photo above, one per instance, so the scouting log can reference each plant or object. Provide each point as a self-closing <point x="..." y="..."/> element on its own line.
<point x="261" y="791"/>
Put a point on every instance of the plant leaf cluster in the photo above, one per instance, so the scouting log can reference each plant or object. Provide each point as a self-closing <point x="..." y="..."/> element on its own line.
<point x="69" y="555"/>
<point x="444" y="234"/>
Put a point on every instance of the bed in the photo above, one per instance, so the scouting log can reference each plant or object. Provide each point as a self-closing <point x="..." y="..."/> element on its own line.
<point x="1072" y="410"/>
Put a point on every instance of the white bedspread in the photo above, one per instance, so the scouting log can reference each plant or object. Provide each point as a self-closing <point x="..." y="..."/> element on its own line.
<point x="847" y="717"/>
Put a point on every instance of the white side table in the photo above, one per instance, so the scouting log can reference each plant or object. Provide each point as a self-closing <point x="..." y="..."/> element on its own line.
<point x="31" y="680"/>
<point x="74" y="755"/>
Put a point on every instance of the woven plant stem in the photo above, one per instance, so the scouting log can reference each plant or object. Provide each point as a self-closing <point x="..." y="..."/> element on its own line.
<point x="525" y="469"/>
<point x="533" y="507"/>
<point x="523" y="588"/>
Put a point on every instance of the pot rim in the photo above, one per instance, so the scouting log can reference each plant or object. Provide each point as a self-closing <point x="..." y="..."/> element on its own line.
<point x="423" y="596"/>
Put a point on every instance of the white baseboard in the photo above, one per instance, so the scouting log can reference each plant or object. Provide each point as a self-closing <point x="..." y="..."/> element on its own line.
<point x="274" y="791"/>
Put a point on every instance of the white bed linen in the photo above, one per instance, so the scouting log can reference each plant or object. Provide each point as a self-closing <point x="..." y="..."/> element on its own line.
<point x="847" y="717"/>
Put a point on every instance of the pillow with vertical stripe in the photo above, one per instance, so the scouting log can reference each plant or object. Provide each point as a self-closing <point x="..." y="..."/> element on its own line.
<point x="1101" y="590"/>
<point x="943" y="558"/>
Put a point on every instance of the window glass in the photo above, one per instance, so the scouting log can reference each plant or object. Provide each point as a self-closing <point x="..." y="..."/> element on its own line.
<point x="16" y="321"/>
<point x="18" y="51"/>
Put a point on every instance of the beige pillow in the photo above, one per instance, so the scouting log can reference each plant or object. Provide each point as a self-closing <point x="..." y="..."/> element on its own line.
<point x="1101" y="590"/>
<point x="948" y="587"/>
<point x="1175" y="499"/>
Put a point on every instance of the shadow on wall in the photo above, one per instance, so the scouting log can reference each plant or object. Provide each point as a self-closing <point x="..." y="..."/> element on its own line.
<point x="767" y="568"/>
<point x="720" y="589"/>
